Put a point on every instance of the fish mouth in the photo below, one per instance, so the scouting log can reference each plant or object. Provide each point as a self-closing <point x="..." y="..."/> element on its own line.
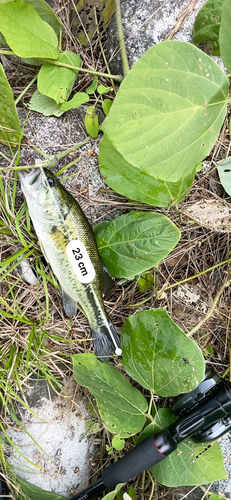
<point x="32" y="180"/>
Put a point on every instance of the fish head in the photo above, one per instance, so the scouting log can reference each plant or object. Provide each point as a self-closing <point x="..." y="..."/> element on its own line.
<point x="46" y="198"/>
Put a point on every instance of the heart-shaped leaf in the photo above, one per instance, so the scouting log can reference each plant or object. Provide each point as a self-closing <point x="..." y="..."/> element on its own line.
<point x="225" y="34"/>
<point x="168" y="111"/>
<point x="121" y="405"/>
<point x="10" y="130"/>
<point x="56" y="81"/>
<point x="207" y="26"/>
<point x="137" y="184"/>
<point x="158" y="354"/>
<point x="33" y="38"/>
<point x="135" y="242"/>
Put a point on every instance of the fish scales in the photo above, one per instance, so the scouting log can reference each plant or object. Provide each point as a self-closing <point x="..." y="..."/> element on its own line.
<point x="58" y="220"/>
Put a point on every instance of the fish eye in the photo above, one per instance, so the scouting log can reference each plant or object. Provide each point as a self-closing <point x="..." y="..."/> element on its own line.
<point x="50" y="181"/>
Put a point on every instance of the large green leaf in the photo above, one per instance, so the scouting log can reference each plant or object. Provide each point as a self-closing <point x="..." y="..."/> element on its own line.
<point x="25" y="32"/>
<point x="135" y="242"/>
<point x="121" y="405"/>
<point x="56" y="81"/>
<point x="168" y="111"/>
<point x="158" y="354"/>
<point x="225" y="34"/>
<point x="137" y="184"/>
<point x="191" y="464"/>
<point x="10" y="130"/>
<point x="33" y="492"/>
<point x="207" y="25"/>
<point x="47" y="14"/>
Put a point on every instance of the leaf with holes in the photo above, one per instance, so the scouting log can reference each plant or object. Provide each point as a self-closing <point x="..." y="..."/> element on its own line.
<point x="121" y="406"/>
<point x="207" y="26"/>
<point x="56" y="81"/>
<point x="224" y="171"/>
<point x="108" y="11"/>
<point x="191" y="463"/>
<point x="225" y="34"/>
<point x="135" y="242"/>
<point x="166" y="116"/>
<point x="10" y="130"/>
<point x="33" y="38"/>
<point x="158" y="354"/>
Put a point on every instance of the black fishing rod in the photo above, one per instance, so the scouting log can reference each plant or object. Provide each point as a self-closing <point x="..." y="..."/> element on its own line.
<point x="204" y="415"/>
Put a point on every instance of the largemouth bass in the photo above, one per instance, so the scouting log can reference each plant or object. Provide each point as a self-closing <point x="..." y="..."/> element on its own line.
<point x="68" y="244"/>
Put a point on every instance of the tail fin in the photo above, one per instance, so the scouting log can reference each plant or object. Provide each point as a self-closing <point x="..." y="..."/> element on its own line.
<point x="106" y="341"/>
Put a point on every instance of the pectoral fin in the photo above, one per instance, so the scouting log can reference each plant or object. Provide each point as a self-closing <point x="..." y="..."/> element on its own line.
<point x="70" y="305"/>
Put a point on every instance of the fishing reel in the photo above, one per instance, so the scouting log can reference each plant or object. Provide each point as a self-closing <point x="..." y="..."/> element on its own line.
<point x="210" y="384"/>
<point x="204" y="414"/>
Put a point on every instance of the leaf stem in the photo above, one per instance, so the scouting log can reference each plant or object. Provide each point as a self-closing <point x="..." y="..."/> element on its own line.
<point x="150" y="403"/>
<point x="142" y="484"/>
<point x="117" y="78"/>
<point x="51" y="160"/>
<point x="211" y="310"/>
<point x="25" y="90"/>
<point x="73" y="148"/>
<point x="121" y="38"/>
<point x="7" y="52"/>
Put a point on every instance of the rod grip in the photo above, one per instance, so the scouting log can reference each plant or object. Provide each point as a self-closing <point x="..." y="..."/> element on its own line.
<point x="148" y="453"/>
